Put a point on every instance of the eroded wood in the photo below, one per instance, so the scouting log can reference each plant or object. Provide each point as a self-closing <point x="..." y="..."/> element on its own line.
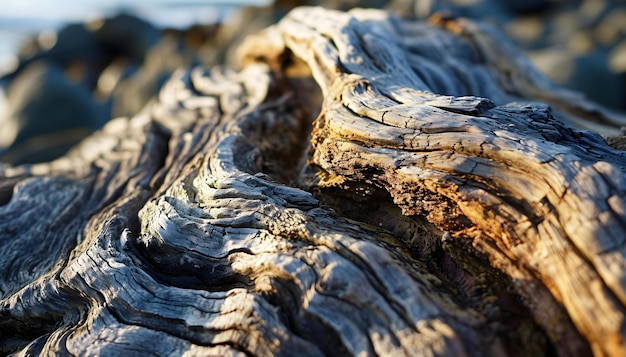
<point x="542" y="200"/>
<point x="432" y="217"/>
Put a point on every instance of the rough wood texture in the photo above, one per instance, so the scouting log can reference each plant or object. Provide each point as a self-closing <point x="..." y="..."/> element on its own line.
<point x="428" y="216"/>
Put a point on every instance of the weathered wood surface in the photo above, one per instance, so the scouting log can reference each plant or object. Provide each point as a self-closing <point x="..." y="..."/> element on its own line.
<point x="428" y="216"/>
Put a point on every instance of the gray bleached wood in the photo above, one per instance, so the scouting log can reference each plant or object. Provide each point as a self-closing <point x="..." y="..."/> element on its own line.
<point x="427" y="221"/>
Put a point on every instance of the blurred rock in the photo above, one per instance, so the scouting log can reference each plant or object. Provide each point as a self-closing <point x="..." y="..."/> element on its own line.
<point x="65" y="82"/>
<point x="526" y="6"/>
<point x="73" y="43"/>
<point x="132" y="93"/>
<point x="125" y="36"/>
<point x="592" y="76"/>
<point x="42" y="102"/>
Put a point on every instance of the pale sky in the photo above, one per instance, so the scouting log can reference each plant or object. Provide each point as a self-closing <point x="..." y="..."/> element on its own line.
<point x="63" y="10"/>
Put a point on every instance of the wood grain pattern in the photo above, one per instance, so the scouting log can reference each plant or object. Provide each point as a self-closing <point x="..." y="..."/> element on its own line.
<point x="436" y="208"/>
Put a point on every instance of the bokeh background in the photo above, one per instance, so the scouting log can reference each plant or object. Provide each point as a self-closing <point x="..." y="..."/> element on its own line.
<point x="68" y="67"/>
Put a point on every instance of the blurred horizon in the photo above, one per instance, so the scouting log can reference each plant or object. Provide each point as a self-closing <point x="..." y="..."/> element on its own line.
<point x="24" y="19"/>
<point x="31" y="18"/>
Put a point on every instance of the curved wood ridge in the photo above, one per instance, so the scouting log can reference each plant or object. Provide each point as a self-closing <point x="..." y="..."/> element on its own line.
<point x="543" y="201"/>
<point x="193" y="229"/>
<point x="227" y="260"/>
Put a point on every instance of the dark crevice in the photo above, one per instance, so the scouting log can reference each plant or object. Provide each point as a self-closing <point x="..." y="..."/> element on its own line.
<point x="190" y="270"/>
<point x="19" y="334"/>
<point x="6" y="190"/>
<point x="378" y="285"/>
<point x="275" y="141"/>
<point x="475" y="284"/>
<point x="16" y="333"/>
<point x="159" y="174"/>
<point x="202" y="336"/>
<point x="301" y="323"/>
<point x="13" y="343"/>
<point x="468" y="279"/>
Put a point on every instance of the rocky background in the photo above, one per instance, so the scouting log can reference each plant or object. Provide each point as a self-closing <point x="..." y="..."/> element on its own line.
<point x="66" y="87"/>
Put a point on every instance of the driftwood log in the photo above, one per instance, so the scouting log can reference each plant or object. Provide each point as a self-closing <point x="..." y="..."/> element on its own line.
<point x="365" y="185"/>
